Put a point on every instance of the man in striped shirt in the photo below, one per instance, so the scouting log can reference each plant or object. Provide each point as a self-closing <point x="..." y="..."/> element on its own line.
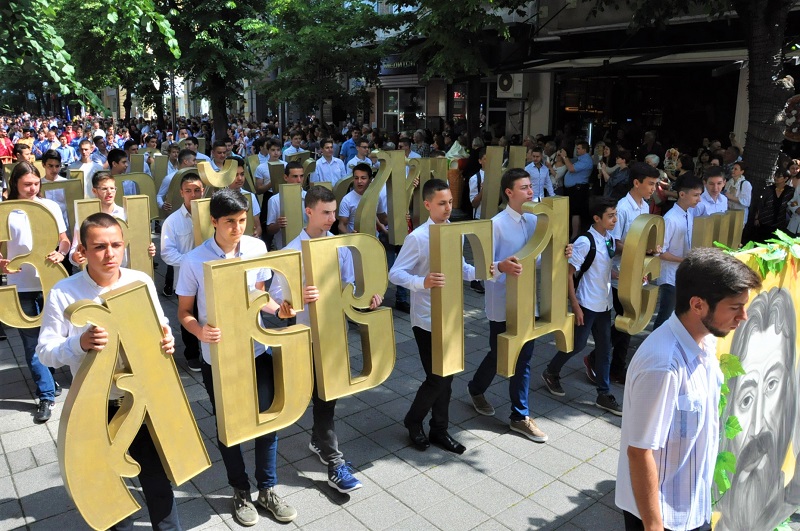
<point x="670" y="429"/>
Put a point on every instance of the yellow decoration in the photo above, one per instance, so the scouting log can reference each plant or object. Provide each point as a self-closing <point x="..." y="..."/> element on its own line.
<point x="291" y="205"/>
<point x="493" y="171"/>
<point x="201" y="220"/>
<point x="146" y="186"/>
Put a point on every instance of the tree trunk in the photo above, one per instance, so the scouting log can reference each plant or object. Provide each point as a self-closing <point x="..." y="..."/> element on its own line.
<point x="127" y="104"/>
<point x="764" y="26"/>
<point x="219" y="108"/>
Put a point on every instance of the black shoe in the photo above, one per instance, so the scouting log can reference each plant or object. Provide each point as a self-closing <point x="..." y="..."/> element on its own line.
<point x="157" y="227"/>
<point x="610" y="404"/>
<point x="444" y="441"/>
<point x="168" y="291"/>
<point x="553" y="383"/>
<point x="402" y="307"/>
<point x="58" y="388"/>
<point x="618" y="376"/>
<point x="194" y="364"/>
<point x="417" y="436"/>
<point x="477" y="286"/>
<point x="44" y="411"/>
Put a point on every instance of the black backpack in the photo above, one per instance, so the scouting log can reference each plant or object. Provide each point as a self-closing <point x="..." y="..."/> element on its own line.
<point x="588" y="261"/>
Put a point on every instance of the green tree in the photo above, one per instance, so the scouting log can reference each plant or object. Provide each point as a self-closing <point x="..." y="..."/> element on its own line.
<point x="764" y="30"/>
<point x="316" y="46"/>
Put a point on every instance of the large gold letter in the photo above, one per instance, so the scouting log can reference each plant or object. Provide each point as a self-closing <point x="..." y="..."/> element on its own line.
<point x="147" y="186"/>
<point x="490" y="200"/>
<point x="44" y="232"/>
<point x="291" y="205"/>
<point x="639" y="302"/>
<point x="392" y="173"/>
<point x="136" y="230"/>
<point x="328" y="323"/>
<point x="419" y="214"/>
<point x="73" y="191"/>
<point x="447" y="303"/>
<point x="232" y="309"/>
<point x="549" y="239"/>
<point x="93" y="452"/>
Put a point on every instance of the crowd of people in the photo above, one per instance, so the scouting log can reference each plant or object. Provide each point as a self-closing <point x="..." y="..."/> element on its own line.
<point x="608" y="185"/>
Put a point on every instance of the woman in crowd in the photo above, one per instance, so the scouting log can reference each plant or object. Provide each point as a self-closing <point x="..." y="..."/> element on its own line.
<point x="772" y="213"/>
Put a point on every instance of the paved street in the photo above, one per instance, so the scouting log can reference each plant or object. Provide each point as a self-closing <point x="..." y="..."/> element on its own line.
<point x="503" y="481"/>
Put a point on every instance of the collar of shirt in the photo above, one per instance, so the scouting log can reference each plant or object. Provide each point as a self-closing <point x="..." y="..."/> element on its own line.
<point x="513" y="214"/>
<point x="185" y="212"/>
<point x="211" y="244"/>
<point x="688" y="345"/>
<point x="634" y="204"/>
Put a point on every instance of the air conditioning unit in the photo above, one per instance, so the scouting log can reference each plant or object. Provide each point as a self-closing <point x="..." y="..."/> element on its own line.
<point x="510" y="86"/>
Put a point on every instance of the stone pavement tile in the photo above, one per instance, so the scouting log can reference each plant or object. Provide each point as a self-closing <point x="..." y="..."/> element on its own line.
<point x="362" y="451"/>
<point x="7" y="490"/>
<point x="341" y="519"/>
<point x="553" y="429"/>
<point x="45" y="501"/>
<point x="397" y="408"/>
<point x="553" y="461"/>
<point x="599" y="517"/>
<point x="562" y="499"/>
<point x="542" y="403"/>
<point x="569" y="416"/>
<point x="211" y="479"/>
<point x="11" y="515"/>
<point x="185" y="492"/>
<point x="428" y="459"/>
<point x="18" y="420"/>
<point x="590" y="480"/>
<point x="388" y="471"/>
<point x="290" y="480"/>
<point x="516" y="445"/>
<point x="10" y="375"/>
<point x="523" y="477"/>
<point x="601" y="430"/>
<point x="461" y="411"/>
<point x="529" y="515"/>
<point x="419" y="492"/>
<point x="606" y="461"/>
<point x="198" y="410"/>
<point x="344" y="431"/>
<point x="454" y="514"/>
<point x="21" y="390"/>
<point x="21" y="460"/>
<point x="69" y="520"/>
<point x="208" y="427"/>
<point x="455" y="476"/>
<point x="349" y="405"/>
<point x="490" y="525"/>
<point x="378" y="395"/>
<point x="198" y="514"/>
<point x="490" y="496"/>
<point x="295" y="447"/>
<point x="414" y="523"/>
<point x="487" y="428"/>
<point x="221" y="502"/>
<point x="393" y="437"/>
<point x="4" y="470"/>
<point x="379" y="511"/>
<point x="580" y="446"/>
<point x="44" y="453"/>
<point x="195" y="392"/>
<point x="608" y="500"/>
<point x="488" y="459"/>
<point x="312" y="469"/>
<point x="406" y="385"/>
<point x="369" y="420"/>
<point x="569" y="527"/>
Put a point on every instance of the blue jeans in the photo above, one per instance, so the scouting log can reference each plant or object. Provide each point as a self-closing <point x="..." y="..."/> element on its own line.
<point x="517" y="384"/>
<point x="32" y="302"/>
<point x="666" y="304"/>
<point x="266" y="470"/>
<point x="599" y="324"/>
<point x="401" y="294"/>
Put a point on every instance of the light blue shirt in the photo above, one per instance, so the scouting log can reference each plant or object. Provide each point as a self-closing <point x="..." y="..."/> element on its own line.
<point x="708" y="206"/>
<point x="677" y="241"/>
<point x="331" y="172"/>
<point x="583" y="169"/>
<point x="191" y="278"/>
<point x="511" y="231"/>
<point x="671" y="396"/>
<point x="68" y="154"/>
<point x="540" y="181"/>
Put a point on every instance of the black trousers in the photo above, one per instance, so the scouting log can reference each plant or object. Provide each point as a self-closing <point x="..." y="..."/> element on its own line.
<point x="620" y="341"/>
<point x="156" y="486"/>
<point x="191" y="345"/>
<point x="633" y="523"/>
<point x="434" y="393"/>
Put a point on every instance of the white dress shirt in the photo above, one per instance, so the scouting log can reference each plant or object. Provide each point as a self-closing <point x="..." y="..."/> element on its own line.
<point x="743" y="191"/>
<point x="411" y="267"/>
<point x="708" y="205"/>
<point x="474" y="191"/>
<point x="262" y="172"/>
<point x="331" y="171"/>
<point x="540" y="181"/>
<point x="89" y="169"/>
<point x="671" y="396"/>
<point x="677" y="241"/>
<point x="346" y="273"/>
<point x="177" y="238"/>
<point x="627" y="211"/>
<point x="594" y="290"/>
<point x="511" y="231"/>
<point x="349" y="206"/>
<point x="59" y="339"/>
<point x="59" y="196"/>
<point x="191" y="278"/>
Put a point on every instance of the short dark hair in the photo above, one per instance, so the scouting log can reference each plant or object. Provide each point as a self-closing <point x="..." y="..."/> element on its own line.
<point x="115" y="156"/>
<point x="98" y="219"/>
<point x="535" y="149"/>
<point x="190" y="177"/>
<point x="363" y="166"/>
<point x="129" y="144"/>
<point x="432" y="186"/>
<point x="185" y="154"/>
<point x="510" y="177"/>
<point x="688" y="182"/>
<point x="686" y="161"/>
<point x="712" y="275"/>
<point x="404" y="140"/>
<point x="713" y="171"/>
<point x="191" y="140"/>
<point x="100" y="176"/>
<point x="325" y="141"/>
<point x="584" y="144"/>
<point x="20" y="170"/>
<point x="625" y="155"/>
<point x="318" y="194"/>
<point x="294" y="165"/>
<point x="641" y="171"/>
<point x="219" y="143"/>
<point x="741" y="164"/>
<point x="481" y="153"/>
<point x="19" y="148"/>
<point x="599" y="204"/>
<point x="50" y="154"/>
<point x="226" y="202"/>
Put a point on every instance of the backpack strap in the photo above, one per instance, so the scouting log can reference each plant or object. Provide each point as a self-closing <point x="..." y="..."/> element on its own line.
<point x="590" y="256"/>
